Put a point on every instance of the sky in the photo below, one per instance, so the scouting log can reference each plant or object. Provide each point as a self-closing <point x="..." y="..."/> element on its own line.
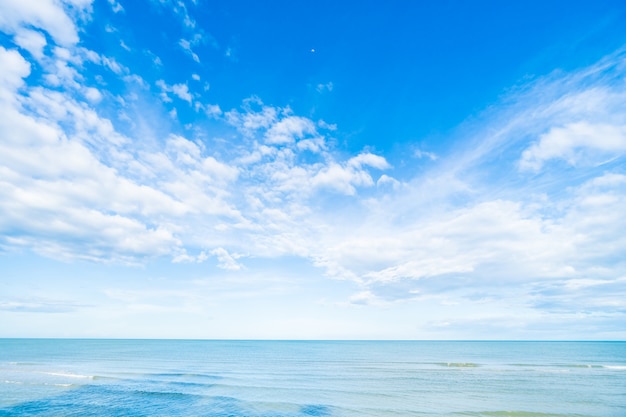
<point x="313" y="169"/>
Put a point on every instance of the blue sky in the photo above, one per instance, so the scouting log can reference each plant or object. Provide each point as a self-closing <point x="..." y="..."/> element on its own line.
<point x="306" y="170"/>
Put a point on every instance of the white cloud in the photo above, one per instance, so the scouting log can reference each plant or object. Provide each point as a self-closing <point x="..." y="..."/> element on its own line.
<point x="386" y="180"/>
<point x="179" y="90"/>
<point x="86" y="204"/>
<point x="189" y="22"/>
<point x="250" y="121"/>
<point x="576" y="143"/>
<point x="327" y="126"/>
<point x="14" y="69"/>
<point x="279" y="163"/>
<point x="271" y="185"/>
<point x="182" y="92"/>
<point x="116" y="6"/>
<point x="93" y="95"/>
<point x="48" y="15"/>
<point x="32" y="41"/>
<point x="368" y="159"/>
<point x="423" y="154"/>
<point x="186" y="45"/>
<point x="113" y="65"/>
<point x="315" y="145"/>
<point x="288" y="129"/>
<point x="343" y="179"/>
<point x="212" y="110"/>
<point x="324" y="87"/>
<point x="226" y="260"/>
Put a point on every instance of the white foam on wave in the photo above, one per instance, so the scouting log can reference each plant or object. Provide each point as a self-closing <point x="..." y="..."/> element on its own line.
<point x="69" y="375"/>
<point x="615" y="367"/>
<point x="6" y="381"/>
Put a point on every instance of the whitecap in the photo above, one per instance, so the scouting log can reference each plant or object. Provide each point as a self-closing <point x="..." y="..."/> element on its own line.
<point x="68" y="375"/>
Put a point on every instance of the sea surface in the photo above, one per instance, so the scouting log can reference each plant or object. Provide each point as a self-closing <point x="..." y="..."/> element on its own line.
<point x="70" y="377"/>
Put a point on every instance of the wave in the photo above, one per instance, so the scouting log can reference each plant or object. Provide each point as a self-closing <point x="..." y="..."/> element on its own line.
<point x="165" y="394"/>
<point x="515" y="414"/>
<point x="567" y="367"/>
<point x="40" y="384"/>
<point x="6" y="381"/>
<point x="615" y="367"/>
<point x="20" y="364"/>
<point x="69" y="375"/>
<point x="458" y="364"/>
<point x="186" y="375"/>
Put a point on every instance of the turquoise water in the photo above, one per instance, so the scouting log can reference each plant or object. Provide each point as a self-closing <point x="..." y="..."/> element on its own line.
<point x="59" y="377"/>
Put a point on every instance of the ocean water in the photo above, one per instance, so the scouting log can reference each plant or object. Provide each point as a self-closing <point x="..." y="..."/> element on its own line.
<point x="65" y="377"/>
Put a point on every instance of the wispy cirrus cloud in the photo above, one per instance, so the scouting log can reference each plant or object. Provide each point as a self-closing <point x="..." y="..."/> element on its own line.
<point x="475" y="221"/>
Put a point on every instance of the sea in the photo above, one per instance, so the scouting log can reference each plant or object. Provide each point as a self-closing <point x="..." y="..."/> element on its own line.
<point x="219" y="378"/>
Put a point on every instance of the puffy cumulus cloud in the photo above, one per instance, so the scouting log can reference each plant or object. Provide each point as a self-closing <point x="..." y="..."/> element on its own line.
<point x="14" y="69"/>
<point x="226" y="260"/>
<point x="290" y="156"/>
<point x="92" y="94"/>
<point x="48" y="15"/>
<point x="251" y="120"/>
<point x="179" y="90"/>
<point x="576" y="143"/>
<point x="211" y="110"/>
<point x="368" y="159"/>
<point x="73" y="187"/>
<point x="387" y="181"/>
<point x="59" y="199"/>
<point x="112" y="198"/>
<point x="31" y="40"/>
<point x="288" y="129"/>
<point x="85" y="121"/>
<point x="116" y="6"/>
<point x="346" y="177"/>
